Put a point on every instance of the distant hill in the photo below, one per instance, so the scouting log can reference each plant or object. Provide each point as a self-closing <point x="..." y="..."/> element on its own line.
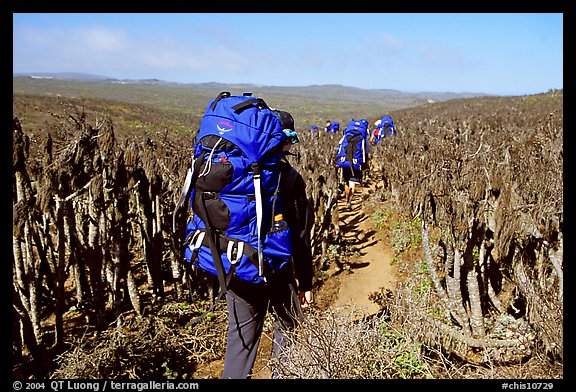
<point x="62" y="76"/>
<point x="334" y="92"/>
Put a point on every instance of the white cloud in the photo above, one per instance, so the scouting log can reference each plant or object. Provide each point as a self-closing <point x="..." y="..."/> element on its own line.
<point x="389" y="42"/>
<point x="196" y="58"/>
<point x="99" y="39"/>
<point x="383" y="44"/>
<point x="73" y="41"/>
<point x="106" y="51"/>
<point x="67" y="49"/>
<point x="443" y="58"/>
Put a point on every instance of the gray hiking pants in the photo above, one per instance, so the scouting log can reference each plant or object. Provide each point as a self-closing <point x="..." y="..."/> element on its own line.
<point x="247" y="308"/>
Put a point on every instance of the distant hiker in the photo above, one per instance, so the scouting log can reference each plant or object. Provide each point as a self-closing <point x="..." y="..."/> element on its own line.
<point x="328" y="126"/>
<point x="352" y="157"/>
<point x="382" y="127"/>
<point x="387" y="125"/>
<point x="335" y="127"/>
<point x="376" y="135"/>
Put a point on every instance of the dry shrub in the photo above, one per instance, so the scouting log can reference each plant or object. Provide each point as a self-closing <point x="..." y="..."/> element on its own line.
<point x="414" y="308"/>
<point x="398" y="343"/>
<point x="151" y="347"/>
<point x="342" y="343"/>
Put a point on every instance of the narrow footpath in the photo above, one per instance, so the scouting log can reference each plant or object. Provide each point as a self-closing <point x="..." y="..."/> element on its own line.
<point x="373" y="269"/>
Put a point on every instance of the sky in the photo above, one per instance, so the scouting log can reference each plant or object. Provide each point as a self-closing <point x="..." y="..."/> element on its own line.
<point x="492" y="53"/>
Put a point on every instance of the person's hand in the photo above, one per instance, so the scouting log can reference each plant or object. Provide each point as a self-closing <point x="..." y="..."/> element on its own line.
<point x="306" y="298"/>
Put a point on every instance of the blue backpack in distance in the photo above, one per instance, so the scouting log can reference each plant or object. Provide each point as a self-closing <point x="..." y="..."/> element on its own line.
<point x="353" y="147"/>
<point x="387" y="125"/>
<point x="335" y="127"/>
<point x="233" y="184"/>
<point x="378" y="134"/>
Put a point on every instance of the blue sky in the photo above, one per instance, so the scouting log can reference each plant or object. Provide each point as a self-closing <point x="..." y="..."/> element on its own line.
<point x="494" y="53"/>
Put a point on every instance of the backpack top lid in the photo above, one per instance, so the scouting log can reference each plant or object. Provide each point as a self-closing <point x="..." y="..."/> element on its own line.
<point x="247" y="122"/>
<point x="355" y="126"/>
<point x="386" y="119"/>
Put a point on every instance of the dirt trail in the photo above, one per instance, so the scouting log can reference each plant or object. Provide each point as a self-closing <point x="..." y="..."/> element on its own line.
<point x="373" y="270"/>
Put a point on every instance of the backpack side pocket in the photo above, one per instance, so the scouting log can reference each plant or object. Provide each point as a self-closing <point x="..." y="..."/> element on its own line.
<point x="278" y="248"/>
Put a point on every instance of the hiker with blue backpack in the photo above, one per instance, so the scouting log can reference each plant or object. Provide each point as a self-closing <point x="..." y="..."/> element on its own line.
<point x="352" y="157"/>
<point x="387" y="125"/>
<point x="251" y="223"/>
<point x="377" y="133"/>
<point x="335" y="127"/>
<point x="382" y="128"/>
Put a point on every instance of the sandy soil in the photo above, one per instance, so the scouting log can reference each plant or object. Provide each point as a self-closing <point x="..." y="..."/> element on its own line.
<point x="372" y="271"/>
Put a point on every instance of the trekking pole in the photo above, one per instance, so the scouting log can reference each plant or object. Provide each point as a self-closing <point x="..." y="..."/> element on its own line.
<point x="183" y="195"/>
<point x="296" y="300"/>
<point x="294" y="292"/>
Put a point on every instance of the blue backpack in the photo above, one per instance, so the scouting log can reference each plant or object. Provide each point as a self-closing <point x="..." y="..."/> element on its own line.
<point x="378" y="134"/>
<point x="233" y="185"/>
<point x="387" y="125"/>
<point x="352" y="148"/>
<point x="335" y="127"/>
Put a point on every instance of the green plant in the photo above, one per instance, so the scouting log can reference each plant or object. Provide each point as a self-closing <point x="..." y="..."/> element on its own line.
<point x="410" y="365"/>
<point x="380" y="218"/>
<point x="425" y="286"/>
<point x="406" y="235"/>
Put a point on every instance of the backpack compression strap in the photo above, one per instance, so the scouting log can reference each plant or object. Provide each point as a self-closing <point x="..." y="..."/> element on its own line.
<point x="234" y="248"/>
<point x="250" y="102"/>
<point x="213" y="248"/>
<point x="258" y="195"/>
<point x="259" y="214"/>
<point x="242" y="105"/>
<point x="364" y="159"/>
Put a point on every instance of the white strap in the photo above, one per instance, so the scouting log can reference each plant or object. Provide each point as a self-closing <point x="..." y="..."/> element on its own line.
<point x="258" y="195"/>
<point x="197" y="239"/>
<point x="239" y="251"/>
<point x="340" y="144"/>
<point x="208" y="166"/>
